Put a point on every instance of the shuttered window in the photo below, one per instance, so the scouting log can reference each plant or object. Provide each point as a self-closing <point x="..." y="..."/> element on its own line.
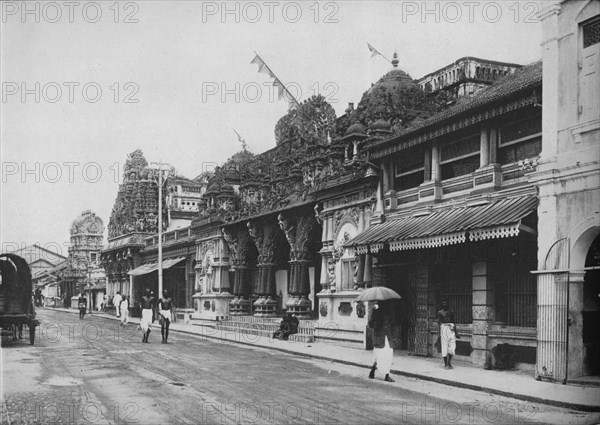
<point x="589" y="74"/>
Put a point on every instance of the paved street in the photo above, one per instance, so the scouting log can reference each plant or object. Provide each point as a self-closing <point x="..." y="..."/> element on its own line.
<point x="92" y="371"/>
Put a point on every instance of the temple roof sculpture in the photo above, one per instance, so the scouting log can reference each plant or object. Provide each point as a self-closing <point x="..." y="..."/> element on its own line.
<point x="392" y="103"/>
<point x="136" y="205"/>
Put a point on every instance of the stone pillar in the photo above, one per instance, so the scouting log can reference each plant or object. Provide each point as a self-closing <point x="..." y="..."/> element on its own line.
<point x="361" y="219"/>
<point x="221" y="279"/>
<point x="240" y="304"/>
<point x="270" y="290"/>
<point x="387" y="175"/>
<point x="427" y="165"/>
<point x="324" y="278"/>
<point x="330" y="234"/>
<point x="303" y="278"/>
<point x="299" y="288"/>
<point x="552" y="294"/>
<point x="360" y="272"/>
<point x="575" y="359"/>
<point x="436" y="174"/>
<point x="368" y="274"/>
<point x="266" y="304"/>
<point x="484" y="148"/>
<point x="493" y="145"/>
<point x="483" y="312"/>
<point x="551" y="38"/>
<point x="259" y="291"/>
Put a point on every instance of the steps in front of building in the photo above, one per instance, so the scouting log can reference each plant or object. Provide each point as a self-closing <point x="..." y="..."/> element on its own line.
<point x="252" y="327"/>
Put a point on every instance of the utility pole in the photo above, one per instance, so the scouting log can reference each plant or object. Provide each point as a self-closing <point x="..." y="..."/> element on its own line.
<point x="89" y="285"/>
<point x="160" y="222"/>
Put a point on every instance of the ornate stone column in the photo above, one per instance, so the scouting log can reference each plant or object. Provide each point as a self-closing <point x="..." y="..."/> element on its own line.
<point x="239" y="247"/>
<point x="240" y="305"/>
<point x="360" y="271"/>
<point x="299" y="235"/>
<point x="264" y="233"/>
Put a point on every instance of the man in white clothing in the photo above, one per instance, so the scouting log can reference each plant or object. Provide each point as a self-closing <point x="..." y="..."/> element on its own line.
<point x="117" y="303"/>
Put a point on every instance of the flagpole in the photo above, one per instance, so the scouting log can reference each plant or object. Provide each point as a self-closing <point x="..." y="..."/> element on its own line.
<point x="374" y="52"/>
<point x="276" y="78"/>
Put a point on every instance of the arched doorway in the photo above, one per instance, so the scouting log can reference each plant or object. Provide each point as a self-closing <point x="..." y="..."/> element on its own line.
<point x="591" y="310"/>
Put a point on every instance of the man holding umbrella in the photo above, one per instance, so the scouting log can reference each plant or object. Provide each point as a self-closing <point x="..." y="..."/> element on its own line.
<point x="382" y="320"/>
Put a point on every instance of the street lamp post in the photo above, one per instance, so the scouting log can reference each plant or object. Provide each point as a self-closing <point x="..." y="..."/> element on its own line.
<point x="159" y="167"/>
<point x="89" y="285"/>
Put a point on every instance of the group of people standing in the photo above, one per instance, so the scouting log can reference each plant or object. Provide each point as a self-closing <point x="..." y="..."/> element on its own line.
<point x="382" y="321"/>
<point x="151" y="309"/>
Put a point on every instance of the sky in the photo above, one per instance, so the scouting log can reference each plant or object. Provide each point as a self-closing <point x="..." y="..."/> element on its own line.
<point x="85" y="83"/>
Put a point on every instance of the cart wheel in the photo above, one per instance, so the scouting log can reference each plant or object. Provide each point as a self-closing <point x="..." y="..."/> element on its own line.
<point x="32" y="334"/>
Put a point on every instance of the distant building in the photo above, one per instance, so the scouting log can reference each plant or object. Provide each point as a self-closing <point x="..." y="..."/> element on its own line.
<point x="45" y="265"/>
<point x="466" y="76"/>
<point x="183" y="200"/>
<point x="83" y="271"/>
<point x="39" y="258"/>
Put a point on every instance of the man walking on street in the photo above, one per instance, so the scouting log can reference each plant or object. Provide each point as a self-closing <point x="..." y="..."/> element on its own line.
<point x="82" y="304"/>
<point x="147" y="314"/>
<point x="117" y="303"/>
<point x="165" y="311"/>
<point x="448" y="334"/>
<point x="125" y="310"/>
<point x="382" y="320"/>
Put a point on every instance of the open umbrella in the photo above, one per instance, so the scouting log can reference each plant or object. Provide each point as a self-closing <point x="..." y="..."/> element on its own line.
<point x="378" y="293"/>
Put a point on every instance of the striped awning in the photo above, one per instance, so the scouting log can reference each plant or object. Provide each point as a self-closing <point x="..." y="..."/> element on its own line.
<point x="479" y="221"/>
<point x="151" y="267"/>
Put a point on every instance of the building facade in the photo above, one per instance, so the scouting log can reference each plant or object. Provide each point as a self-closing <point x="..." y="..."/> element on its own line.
<point x="477" y="184"/>
<point x="568" y="178"/>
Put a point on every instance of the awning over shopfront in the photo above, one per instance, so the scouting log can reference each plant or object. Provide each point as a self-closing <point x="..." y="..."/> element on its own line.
<point x="479" y="221"/>
<point x="150" y="267"/>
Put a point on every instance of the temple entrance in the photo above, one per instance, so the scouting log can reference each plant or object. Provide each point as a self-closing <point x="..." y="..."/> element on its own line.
<point x="591" y="310"/>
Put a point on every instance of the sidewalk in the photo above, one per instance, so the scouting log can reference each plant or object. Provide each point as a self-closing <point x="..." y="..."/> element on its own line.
<point x="515" y="384"/>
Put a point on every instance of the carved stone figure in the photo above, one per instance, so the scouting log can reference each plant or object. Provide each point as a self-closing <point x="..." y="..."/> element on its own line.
<point x="232" y="243"/>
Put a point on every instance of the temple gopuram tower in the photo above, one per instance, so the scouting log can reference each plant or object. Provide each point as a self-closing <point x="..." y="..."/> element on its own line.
<point x="134" y="217"/>
<point x="84" y="255"/>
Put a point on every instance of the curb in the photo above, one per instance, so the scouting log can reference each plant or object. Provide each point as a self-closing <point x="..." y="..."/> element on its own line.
<point x="524" y="397"/>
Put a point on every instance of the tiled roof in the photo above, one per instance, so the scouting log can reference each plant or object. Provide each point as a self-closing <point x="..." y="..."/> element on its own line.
<point x="495" y="219"/>
<point x="522" y="79"/>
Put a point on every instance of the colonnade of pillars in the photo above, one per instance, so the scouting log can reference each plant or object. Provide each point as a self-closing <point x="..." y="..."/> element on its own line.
<point x="265" y="289"/>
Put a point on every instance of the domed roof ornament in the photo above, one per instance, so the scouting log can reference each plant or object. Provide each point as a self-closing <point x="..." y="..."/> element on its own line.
<point x="395" y="60"/>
